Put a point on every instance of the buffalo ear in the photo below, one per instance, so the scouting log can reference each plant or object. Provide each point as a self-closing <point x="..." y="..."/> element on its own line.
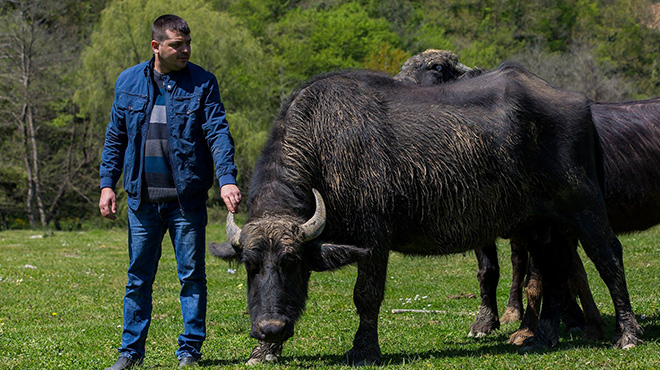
<point x="225" y="251"/>
<point x="325" y="256"/>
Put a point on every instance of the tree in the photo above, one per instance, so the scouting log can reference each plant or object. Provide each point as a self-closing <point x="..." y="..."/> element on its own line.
<point x="44" y="146"/>
<point x="577" y="70"/>
<point x="29" y="55"/>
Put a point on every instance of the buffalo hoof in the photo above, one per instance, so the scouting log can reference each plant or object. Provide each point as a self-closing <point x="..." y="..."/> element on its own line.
<point x="519" y="336"/>
<point x="265" y="353"/>
<point x="485" y="323"/>
<point x="511" y="314"/>
<point x="545" y="337"/>
<point x="534" y="344"/>
<point x="363" y="357"/>
<point x="627" y="341"/>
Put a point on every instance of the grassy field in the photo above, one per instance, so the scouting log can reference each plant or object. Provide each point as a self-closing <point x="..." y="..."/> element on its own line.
<point x="61" y="298"/>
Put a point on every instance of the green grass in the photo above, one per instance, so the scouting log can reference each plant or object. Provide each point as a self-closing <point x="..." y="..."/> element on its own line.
<point x="61" y="303"/>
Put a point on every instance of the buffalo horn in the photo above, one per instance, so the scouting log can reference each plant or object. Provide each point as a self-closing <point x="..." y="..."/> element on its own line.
<point x="463" y="68"/>
<point x="313" y="228"/>
<point x="233" y="231"/>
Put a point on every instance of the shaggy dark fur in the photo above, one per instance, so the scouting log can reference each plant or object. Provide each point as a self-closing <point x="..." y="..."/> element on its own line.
<point x="421" y="170"/>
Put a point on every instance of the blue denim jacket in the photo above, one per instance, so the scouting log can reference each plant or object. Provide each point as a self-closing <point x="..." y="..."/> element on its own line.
<point x="199" y="137"/>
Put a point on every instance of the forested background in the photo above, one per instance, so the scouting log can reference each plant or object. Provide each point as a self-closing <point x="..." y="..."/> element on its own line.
<point x="59" y="60"/>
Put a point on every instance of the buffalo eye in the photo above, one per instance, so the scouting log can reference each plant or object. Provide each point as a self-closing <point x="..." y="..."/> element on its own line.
<point x="250" y="262"/>
<point x="290" y="261"/>
<point x="438" y="67"/>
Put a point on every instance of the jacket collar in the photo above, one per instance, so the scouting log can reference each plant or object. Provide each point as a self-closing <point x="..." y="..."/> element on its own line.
<point x="149" y="67"/>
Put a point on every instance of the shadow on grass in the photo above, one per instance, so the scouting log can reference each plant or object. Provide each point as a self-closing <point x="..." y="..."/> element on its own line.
<point x="398" y="358"/>
<point x="218" y="362"/>
<point x="495" y="344"/>
<point x="651" y="326"/>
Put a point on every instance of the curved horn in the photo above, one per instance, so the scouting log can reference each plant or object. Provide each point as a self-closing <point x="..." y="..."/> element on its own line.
<point x="233" y="231"/>
<point x="463" y="68"/>
<point x="313" y="228"/>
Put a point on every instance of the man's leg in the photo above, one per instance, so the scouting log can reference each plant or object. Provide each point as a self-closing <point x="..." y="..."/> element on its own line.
<point x="187" y="231"/>
<point x="145" y="236"/>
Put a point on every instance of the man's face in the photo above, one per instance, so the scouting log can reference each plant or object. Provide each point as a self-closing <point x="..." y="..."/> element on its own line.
<point x="173" y="53"/>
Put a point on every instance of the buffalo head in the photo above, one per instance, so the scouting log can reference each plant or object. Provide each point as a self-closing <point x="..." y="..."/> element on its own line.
<point x="432" y="67"/>
<point x="279" y="253"/>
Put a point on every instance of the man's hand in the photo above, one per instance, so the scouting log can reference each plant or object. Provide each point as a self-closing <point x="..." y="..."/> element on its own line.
<point x="231" y="195"/>
<point x="108" y="203"/>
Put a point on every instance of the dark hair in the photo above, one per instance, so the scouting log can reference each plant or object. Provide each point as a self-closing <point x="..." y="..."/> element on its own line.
<point x="168" y="22"/>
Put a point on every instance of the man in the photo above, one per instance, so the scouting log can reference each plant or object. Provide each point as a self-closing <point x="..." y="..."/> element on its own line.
<point x="166" y="133"/>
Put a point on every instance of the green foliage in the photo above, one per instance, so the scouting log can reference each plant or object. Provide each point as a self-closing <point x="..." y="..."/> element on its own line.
<point x="484" y="33"/>
<point x="624" y="40"/>
<point x="62" y="309"/>
<point x="307" y="42"/>
<point x="257" y="14"/>
<point x="387" y="58"/>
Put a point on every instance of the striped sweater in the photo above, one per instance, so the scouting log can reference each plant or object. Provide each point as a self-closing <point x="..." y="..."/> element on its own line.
<point x="158" y="180"/>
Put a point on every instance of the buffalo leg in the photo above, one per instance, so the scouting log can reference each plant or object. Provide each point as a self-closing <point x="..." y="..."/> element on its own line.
<point x="368" y="295"/>
<point x="488" y="276"/>
<point x="572" y="314"/>
<point x="607" y="255"/>
<point x="519" y="261"/>
<point x="579" y="285"/>
<point x="533" y="294"/>
<point x="554" y="261"/>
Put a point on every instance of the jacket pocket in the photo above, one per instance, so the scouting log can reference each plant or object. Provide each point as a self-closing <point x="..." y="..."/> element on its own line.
<point x="133" y="107"/>
<point x="186" y="110"/>
<point x="187" y="105"/>
<point x="131" y="102"/>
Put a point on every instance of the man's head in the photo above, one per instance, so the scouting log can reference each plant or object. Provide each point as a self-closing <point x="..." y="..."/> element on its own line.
<point x="170" y="42"/>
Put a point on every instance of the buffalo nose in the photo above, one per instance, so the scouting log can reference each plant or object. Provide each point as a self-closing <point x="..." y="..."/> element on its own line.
<point x="270" y="330"/>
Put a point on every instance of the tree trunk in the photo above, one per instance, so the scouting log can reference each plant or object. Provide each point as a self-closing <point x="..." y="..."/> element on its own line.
<point x="29" y="203"/>
<point x="35" y="167"/>
<point x="30" y="141"/>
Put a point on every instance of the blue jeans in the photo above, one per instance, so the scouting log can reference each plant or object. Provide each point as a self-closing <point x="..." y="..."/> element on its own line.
<point x="146" y="229"/>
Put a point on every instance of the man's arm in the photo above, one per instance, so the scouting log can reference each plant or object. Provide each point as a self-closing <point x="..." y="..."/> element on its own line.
<point x="112" y="160"/>
<point x="222" y="146"/>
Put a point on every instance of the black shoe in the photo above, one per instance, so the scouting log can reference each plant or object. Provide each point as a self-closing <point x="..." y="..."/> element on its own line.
<point x="188" y="361"/>
<point x="124" y="362"/>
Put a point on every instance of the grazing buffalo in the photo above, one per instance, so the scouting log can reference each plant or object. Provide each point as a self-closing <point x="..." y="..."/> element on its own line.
<point x="358" y="164"/>
<point x="630" y="138"/>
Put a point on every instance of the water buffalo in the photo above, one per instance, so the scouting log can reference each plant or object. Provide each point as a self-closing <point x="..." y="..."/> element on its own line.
<point x="358" y="164"/>
<point x="424" y="69"/>
<point x="630" y="137"/>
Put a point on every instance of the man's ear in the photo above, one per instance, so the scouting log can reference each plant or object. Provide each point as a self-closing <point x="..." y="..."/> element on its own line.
<point x="225" y="251"/>
<point x="325" y="256"/>
<point x="155" y="46"/>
